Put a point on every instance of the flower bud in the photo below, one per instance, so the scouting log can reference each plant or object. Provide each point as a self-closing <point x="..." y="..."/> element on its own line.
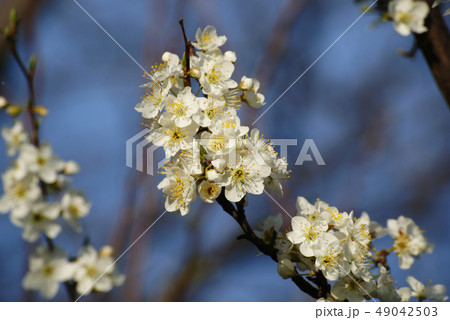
<point x="246" y="83"/>
<point x="13" y="110"/>
<point x="195" y="73"/>
<point x="71" y="167"/>
<point x="40" y="111"/>
<point x="230" y="56"/>
<point x="286" y="269"/>
<point x="166" y="56"/>
<point x="219" y="165"/>
<point x="3" y="102"/>
<point x="106" y="252"/>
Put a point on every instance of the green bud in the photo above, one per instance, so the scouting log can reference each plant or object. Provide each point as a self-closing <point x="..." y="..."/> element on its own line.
<point x="13" y="110"/>
<point x="183" y="61"/>
<point x="32" y="63"/>
<point x="13" y="17"/>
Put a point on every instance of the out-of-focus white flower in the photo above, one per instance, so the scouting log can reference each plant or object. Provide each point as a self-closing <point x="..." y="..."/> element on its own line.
<point x="179" y="189"/>
<point x="40" y="218"/>
<point x="404" y="293"/>
<point x="3" y="102"/>
<point x="432" y="292"/>
<point x="409" y="241"/>
<point x="14" y="137"/>
<point x="41" y="161"/>
<point x="352" y="289"/>
<point x="271" y="228"/>
<point x="386" y="291"/>
<point x="208" y="40"/>
<point x="208" y="191"/>
<point x="375" y="229"/>
<point x="71" y="167"/>
<point x="74" y="207"/>
<point x="95" y="272"/>
<point x="286" y="269"/>
<point x="409" y="16"/>
<point x="19" y="193"/>
<point x="47" y="269"/>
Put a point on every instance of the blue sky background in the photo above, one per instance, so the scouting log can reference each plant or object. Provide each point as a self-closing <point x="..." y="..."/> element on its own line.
<point x="377" y="118"/>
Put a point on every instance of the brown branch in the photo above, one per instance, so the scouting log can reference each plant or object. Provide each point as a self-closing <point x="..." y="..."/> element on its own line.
<point x="435" y="46"/>
<point x="238" y="214"/>
<point x="11" y="39"/>
<point x="187" y="54"/>
<point x="29" y="75"/>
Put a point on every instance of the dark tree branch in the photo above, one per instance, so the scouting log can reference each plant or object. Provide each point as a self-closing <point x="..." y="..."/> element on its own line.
<point x="435" y="46"/>
<point x="238" y="214"/>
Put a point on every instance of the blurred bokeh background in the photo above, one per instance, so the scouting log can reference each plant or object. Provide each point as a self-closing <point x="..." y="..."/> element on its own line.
<point x="378" y="119"/>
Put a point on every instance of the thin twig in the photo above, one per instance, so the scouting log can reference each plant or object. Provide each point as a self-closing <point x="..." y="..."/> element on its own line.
<point x="187" y="54"/>
<point x="29" y="75"/>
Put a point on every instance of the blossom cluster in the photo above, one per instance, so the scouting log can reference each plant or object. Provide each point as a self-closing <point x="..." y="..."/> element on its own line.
<point x="206" y="147"/>
<point x="37" y="195"/>
<point x="340" y="246"/>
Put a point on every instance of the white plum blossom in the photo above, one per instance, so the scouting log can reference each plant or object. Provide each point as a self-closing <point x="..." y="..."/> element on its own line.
<point x="47" y="269"/>
<point x="96" y="271"/>
<point x="286" y="269"/>
<point x="182" y="107"/>
<point x="375" y="229"/>
<point x="409" y="15"/>
<point x="210" y="109"/>
<point x="278" y="175"/>
<point x="386" y="291"/>
<point x="153" y="101"/>
<point x="216" y="72"/>
<point x="307" y="234"/>
<point x="207" y="39"/>
<point x="208" y="191"/>
<point x="73" y="207"/>
<point x="172" y="137"/>
<point x="19" y="193"/>
<point x="179" y="189"/>
<point x="270" y="229"/>
<point x="246" y="176"/>
<point x="422" y="292"/>
<point x="409" y="240"/>
<point x="352" y="289"/>
<point x="14" y="137"/>
<point x="253" y="97"/>
<point x="40" y="219"/>
<point x="331" y="257"/>
<point x="41" y="161"/>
